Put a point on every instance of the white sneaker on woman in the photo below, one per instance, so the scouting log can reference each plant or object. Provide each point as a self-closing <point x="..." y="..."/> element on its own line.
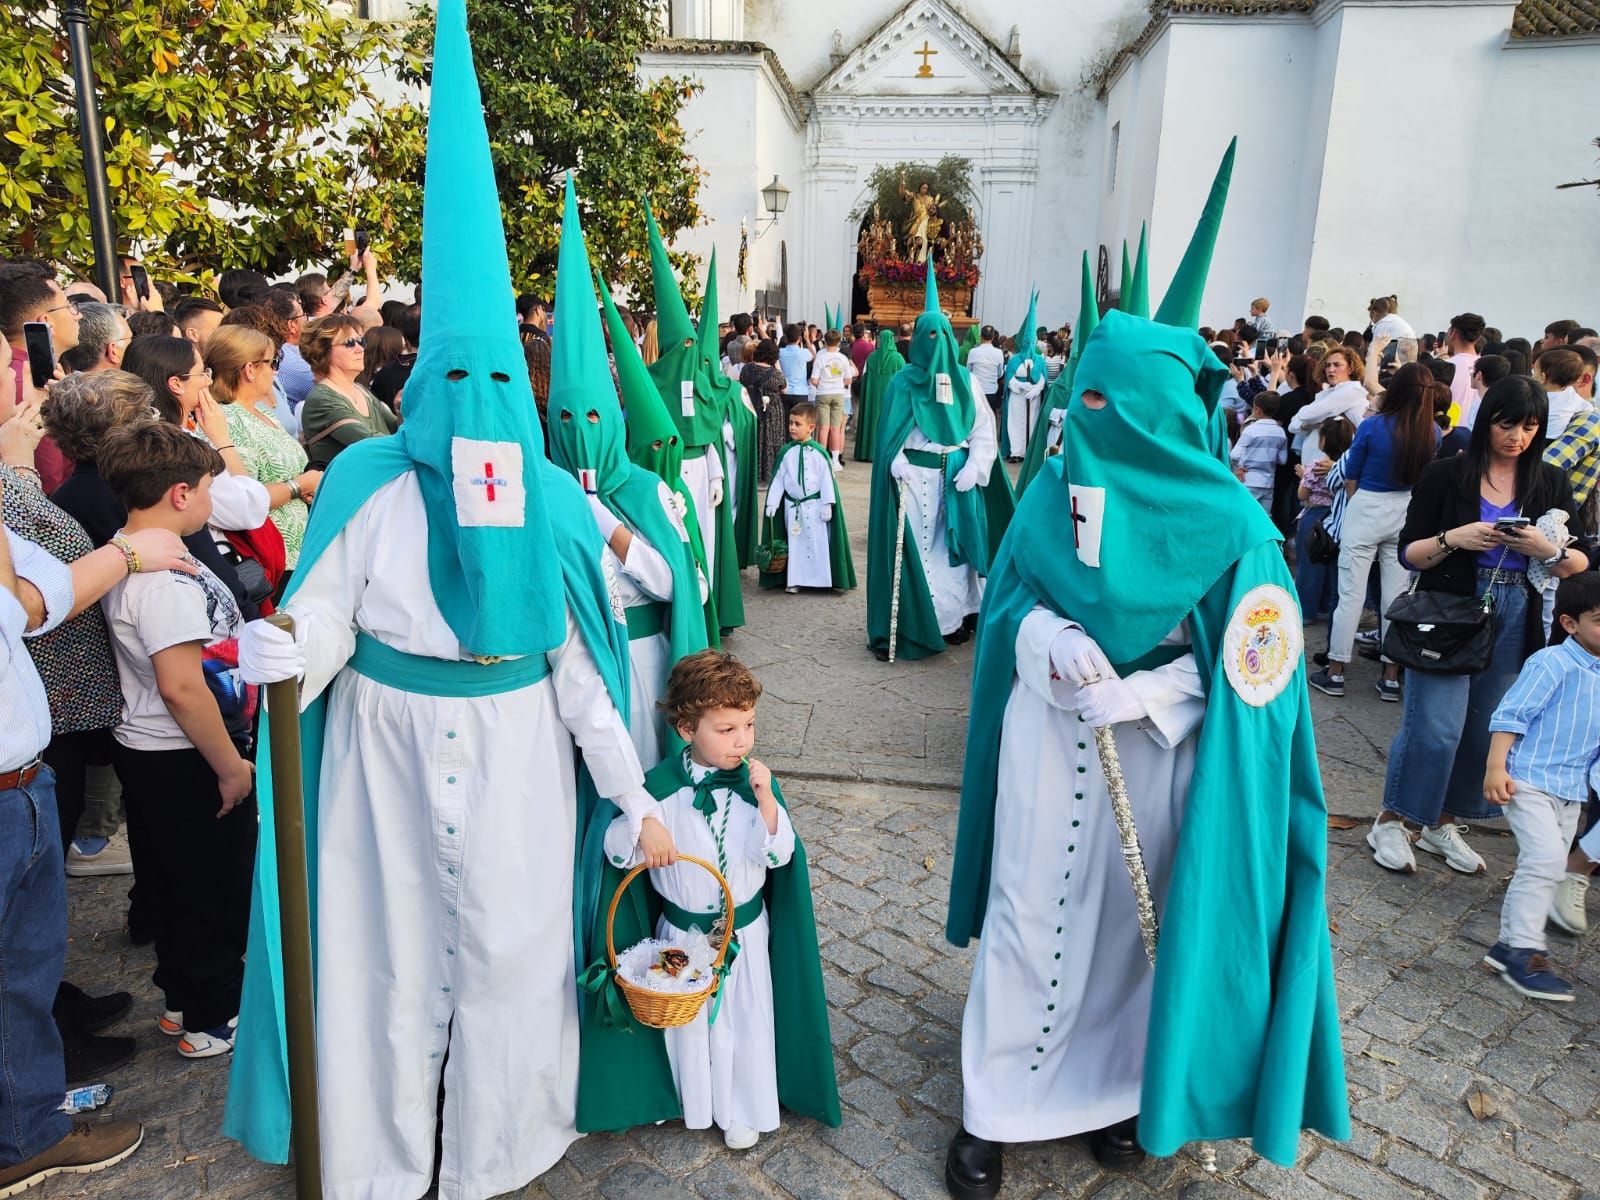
<point x="1446" y="841"/>
<point x="1391" y="846"/>
<point x="1566" y="910"/>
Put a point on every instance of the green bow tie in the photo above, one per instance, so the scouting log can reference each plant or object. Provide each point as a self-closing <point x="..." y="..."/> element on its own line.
<point x="736" y="781"/>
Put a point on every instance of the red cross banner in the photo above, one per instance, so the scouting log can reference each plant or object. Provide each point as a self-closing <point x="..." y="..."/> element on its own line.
<point x="488" y="483"/>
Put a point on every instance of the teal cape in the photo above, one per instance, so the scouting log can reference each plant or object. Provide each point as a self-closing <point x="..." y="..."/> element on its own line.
<point x="977" y="521"/>
<point x="624" y="1078"/>
<point x="1248" y="876"/>
<point x="1026" y="351"/>
<point x="257" y="1109"/>
<point x="882" y="365"/>
<point x="743" y="496"/>
<point x="840" y="560"/>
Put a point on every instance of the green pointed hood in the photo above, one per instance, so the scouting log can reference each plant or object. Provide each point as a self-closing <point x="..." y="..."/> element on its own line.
<point x="672" y="316"/>
<point x="940" y="389"/>
<point x="1125" y="280"/>
<point x="587" y="437"/>
<point x="714" y="382"/>
<point x="1027" y="349"/>
<point x="1139" y="302"/>
<point x="652" y="439"/>
<point x="827" y="317"/>
<point x="1181" y="305"/>
<point x="471" y="426"/>
<point x="1088" y="311"/>
<point x="968" y="343"/>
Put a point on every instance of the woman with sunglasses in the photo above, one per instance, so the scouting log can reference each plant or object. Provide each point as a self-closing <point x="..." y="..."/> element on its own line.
<point x="243" y="362"/>
<point x="338" y="410"/>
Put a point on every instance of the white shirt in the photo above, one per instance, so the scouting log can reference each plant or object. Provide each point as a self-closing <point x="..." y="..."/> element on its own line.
<point x="985" y="362"/>
<point x="24" y="708"/>
<point x="1564" y="406"/>
<point x="1347" y="400"/>
<point x="832" y="373"/>
<point x="1461" y="391"/>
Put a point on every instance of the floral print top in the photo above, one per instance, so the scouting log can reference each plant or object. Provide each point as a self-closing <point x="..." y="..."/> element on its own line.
<point x="273" y="456"/>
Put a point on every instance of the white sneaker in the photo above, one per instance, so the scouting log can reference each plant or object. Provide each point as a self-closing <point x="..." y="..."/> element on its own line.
<point x="740" y="1137"/>
<point x="110" y="857"/>
<point x="1391" y="846"/>
<point x="1566" y="910"/>
<point x="208" y="1043"/>
<point x="170" y="1023"/>
<point x="1446" y="841"/>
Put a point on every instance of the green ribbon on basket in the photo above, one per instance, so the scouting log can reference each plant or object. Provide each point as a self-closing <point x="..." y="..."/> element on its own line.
<point x="599" y="979"/>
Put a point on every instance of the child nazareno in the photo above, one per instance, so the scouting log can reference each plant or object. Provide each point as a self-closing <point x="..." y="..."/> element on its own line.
<point x="804" y="499"/>
<point x="763" y="1040"/>
<point x="1544" y="759"/>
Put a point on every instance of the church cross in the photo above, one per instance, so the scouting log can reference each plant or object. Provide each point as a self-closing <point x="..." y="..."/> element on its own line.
<point x="1077" y="517"/>
<point x="490" y="479"/>
<point x="925" y="71"/>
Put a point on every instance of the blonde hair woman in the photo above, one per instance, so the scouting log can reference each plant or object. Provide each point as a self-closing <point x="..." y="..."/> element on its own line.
<point x="243" y="363"/>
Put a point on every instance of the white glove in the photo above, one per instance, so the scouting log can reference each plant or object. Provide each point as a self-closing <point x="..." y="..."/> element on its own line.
<point x="267" y="654"/>
<point x="1077" y="658"/>
<point x="827" y="512"/>
<point x="716" y="492"/>
<point x="899" y="467"/>
<point x="1109" y="702"/>
<point x="603" y="517"/>
<point x="967" y="477"/>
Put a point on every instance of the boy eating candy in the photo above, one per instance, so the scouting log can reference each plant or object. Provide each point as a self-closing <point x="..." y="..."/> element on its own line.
<point x="805" y="497"/>
<point x="727" y="1066"/>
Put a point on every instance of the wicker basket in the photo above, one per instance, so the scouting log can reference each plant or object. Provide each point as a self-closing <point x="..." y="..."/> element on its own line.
<point x="778" y="565"/>
<point x="667" y="1010"/>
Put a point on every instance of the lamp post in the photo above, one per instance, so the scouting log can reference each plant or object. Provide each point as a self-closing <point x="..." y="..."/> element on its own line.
<point x="776" y="198"/>
<point x="75" y="15"/>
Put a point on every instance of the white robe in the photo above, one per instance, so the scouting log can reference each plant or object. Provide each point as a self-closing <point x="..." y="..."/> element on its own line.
<point x="1023" y="398"/>
<point x="646" y="579"/>
<point x="727" y="1073"/>
<point x="698" y="474"/>
<point x="1052" y="1042"/>
<point x="805" y="522"/>
<point x="444" y="911"/>
<point x="957" y="590"/>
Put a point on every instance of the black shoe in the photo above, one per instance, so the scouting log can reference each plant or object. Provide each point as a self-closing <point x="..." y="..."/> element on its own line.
<point x="1116" y="1147"/>
<point x="76" y="1011"/>
<point x="724" y="632"/>
<point x="88" y="1058"/>
<point x="880" y="655"/>
<point x="972" y="1168"/>
<point x="970" y="622"/>
<point x="959" y="637"/>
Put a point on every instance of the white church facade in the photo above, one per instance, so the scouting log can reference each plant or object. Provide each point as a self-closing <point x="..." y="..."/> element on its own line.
<point x="1407" y="147"/>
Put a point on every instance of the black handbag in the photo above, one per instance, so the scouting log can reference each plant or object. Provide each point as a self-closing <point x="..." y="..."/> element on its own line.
<point x="1320" y="544"/>
<point x="1441" y="633"/>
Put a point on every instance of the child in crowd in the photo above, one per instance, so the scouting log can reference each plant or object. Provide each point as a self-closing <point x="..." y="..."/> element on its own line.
<point x="1262" y="448"/>
<point x="724" y="807"/>
<point x="1544" y="758"/>
<point x="831" y="374"/>
<point x="183" y="745"/>
<point x="805" y="493"/>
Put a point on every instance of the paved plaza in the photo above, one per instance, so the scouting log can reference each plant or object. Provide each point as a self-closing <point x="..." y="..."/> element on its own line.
<point x="1459" y="1088"/>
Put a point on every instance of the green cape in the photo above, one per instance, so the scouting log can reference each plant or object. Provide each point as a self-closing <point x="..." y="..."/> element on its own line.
<point x="1027" y="351"/>
<point x="979" y="519"/>
<point x="257" y="1110"/>
<point x="624" y="1078"/>
<point x="881" y="367"/>
<point x="745" y="515"/>
<point x="587" y="436"/>
<point x="969" y="343"/>
<point x="840" y="560"/>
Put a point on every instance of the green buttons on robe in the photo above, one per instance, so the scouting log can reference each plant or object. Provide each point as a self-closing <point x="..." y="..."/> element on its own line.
<point x="450" y="779"/>
<point x="1046" y="1029"/>
<point x="1061" y="902"/>
<point x="1058" y="929"/>
<point x="1038" y="1049"/>
<point x="445" y="988"/>
<point x="1083" y="745"/>
<point x="1052" y="983"/>
<point x="450" y="870"/>
<point x="1077" y="796"/>
<point x="1058" y="954"/>
<point x="449" y="828"/>
<point x="1049" y="1008"/>
<point x="450" y="951"/>
<point x="1081" y="770"/>
<point x="1071" y="848"/>
<point x="451" y="734"/>
<point x="617" y="858"/>
<point x="1035" y="1067"/>
<point x="1075" y="824"/>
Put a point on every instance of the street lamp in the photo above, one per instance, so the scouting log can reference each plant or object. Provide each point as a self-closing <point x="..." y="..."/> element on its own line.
<point x="776" y="197"/>
<point x="75" y="16"/>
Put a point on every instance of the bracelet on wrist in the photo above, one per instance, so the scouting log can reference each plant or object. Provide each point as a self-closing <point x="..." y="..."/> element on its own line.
<point x="130" y="556"/>
<point x="294" y="489"/>
<point x="229" y="446"/>
<point x="1443" y="544"/>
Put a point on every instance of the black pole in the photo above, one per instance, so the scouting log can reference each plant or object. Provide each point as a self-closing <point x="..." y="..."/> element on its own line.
<point x="75" y="14"/>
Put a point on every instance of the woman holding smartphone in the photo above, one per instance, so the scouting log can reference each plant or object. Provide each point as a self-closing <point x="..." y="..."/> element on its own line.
<point x="1468" y="531"/>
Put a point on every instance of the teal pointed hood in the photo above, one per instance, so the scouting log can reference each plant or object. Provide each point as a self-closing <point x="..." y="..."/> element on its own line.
<point x="672" y="315"/>
<point x="587" y="435"/>
<point x="942" y="404"/>
<point x="1139" y="290"/>
<point x="1181" y="305"/>
<point x="1125" y="280"/>
<point x="471" y="427"/>
<point x="1027" y="348"/>
<point x="652" y="440"/>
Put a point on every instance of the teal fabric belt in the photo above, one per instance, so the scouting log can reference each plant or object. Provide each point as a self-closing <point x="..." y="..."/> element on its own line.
<point x="426" y="676"/>
<point x="646" y="620"/>
<point x="694" y="452"/>
<point x="926" y="458"/>
<point x="686" y="920"/>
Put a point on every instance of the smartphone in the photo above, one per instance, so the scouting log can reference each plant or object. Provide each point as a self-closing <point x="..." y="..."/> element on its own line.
<point x="361" y="242"/>
<point x="349" y="243"/>
<point x="41" y="351"/>
<point x="141" y="280"/>
<point x="1506" y="524"/>
<point x="1283" y="344"/>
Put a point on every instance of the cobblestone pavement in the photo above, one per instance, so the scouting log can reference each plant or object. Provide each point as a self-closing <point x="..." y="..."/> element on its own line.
<point x="1426" y="1027"/>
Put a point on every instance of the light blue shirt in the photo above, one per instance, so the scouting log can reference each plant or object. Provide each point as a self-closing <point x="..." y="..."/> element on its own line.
<point x="795" y="362"/>
<point x="1554" y="709"/>
<point x="24" y="709"/>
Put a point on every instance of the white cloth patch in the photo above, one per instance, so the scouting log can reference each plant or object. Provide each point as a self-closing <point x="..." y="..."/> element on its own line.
<point x="1088" y="518"/>
<point x="686" y="397"/>
<point x="487" y="477"/>
<point x="942" y="390"/>
<point x="1263" y="644"/>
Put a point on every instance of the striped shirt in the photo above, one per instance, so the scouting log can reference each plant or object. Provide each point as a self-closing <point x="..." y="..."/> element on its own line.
<point x="1554" y="709"/>
<point x="1262" y="447"/>
<point x="24" y="708"/>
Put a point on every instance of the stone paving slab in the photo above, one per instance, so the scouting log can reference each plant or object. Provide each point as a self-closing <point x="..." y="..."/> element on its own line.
<point x="1425" y="1025"/>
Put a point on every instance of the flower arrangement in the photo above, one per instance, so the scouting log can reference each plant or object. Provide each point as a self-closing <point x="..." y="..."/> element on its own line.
<point x="901" y="271"/>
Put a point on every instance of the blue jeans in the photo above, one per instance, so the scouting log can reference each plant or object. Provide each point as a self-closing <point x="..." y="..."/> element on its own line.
<point x="33" y="947"/>
<point x="1437" y="760"/>
<point x="1316" y="583"/>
